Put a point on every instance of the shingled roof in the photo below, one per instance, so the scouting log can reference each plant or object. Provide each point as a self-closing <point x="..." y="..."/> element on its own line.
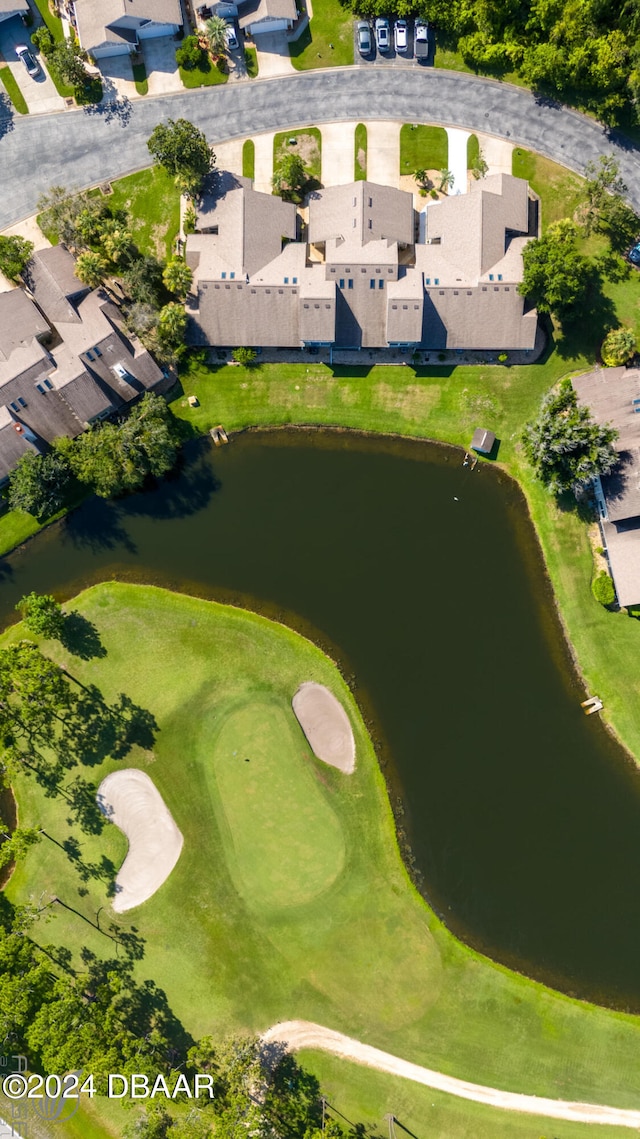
<point x="102" y="22"/>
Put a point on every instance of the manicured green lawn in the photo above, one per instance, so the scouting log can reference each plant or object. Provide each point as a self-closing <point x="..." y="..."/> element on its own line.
<point x="153" y="202"/>
<point x="361" y="1094"/>
<point x="360" y="155"/>
<point x="328" y="40"/>
<point x="473" y="151"/>
<point x="561" y="191"/>
<point x="207" y="75"/>
<point x="308" y="145"/>
<point x="9" y="81"/>
<point x="54" y="23"/>
<point x="251" y="61"/>
<point x="249" y="159"/>
<point x="356" y="948"/>
<point x="140" y="77"/>
<point x="423" y="148"/>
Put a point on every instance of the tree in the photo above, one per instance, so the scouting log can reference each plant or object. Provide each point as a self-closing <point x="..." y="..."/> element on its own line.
<point x="422" y="178"/>
<point x="14" y="255"/>
<point x="177" y="276"/>
<point x="15" y="844"/>
<point x="172" y="324"/>
<point x="290" y="176"/>
<point x="447" y="179"/>
<point x="480" y="168"/>
<point x="190" y="53"/>
<point x="183" y="151"/>
<point x="564" y="445"/>
<point x="245" y="356"/>
<point x="119" y="245"/>
<point x="42" y="615"/>
<point x="67" y="60"/>
<point x="143" y="281"/>
<point x="216" y="33"/>
<point x="141" y="318"/>
<point x="618" y="347"/>
<point x="115" y="458"/>
<point x="91" y="269"/>
<point x="59" y="209"/>
<point x="43" y="41"/>
<point x="603" y="588"/>
<point x="556" y="277"/>
<point x="38" y="484"/>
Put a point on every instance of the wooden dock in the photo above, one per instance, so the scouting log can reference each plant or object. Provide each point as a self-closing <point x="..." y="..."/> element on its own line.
<point x="219" y="435"/>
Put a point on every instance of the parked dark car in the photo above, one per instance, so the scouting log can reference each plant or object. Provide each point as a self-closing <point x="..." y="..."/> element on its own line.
<point x="383" y="35"/>
<point x="365" y="42"/>
<point x="634" y="255"/>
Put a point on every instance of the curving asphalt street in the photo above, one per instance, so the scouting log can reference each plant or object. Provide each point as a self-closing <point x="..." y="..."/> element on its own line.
<point x="83" y="147"/>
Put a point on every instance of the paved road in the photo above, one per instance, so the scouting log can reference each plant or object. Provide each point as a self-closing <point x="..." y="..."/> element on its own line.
<point x="77" y="148"/>
<point x="298" y="1034"/>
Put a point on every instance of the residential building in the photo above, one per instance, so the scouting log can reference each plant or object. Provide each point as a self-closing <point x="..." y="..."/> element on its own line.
<point x="612" y="396"/>
<point x="66" y="359"/>
<point x="255" y="17"/>
<point x="10" y="8"/>
<point x="116" y="27"/>
<point x="371" y="272"/>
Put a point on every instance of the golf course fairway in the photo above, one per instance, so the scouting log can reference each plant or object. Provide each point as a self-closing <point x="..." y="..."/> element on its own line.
<point x="290" y="898"/>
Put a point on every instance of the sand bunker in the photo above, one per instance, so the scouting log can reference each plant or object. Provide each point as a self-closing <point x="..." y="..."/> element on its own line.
<point x="130" y="800"/>
<point x="326" y="726"/>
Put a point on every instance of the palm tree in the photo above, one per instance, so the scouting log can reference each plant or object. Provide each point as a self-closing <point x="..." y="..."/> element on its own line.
<point x="216" y="33"/>
<point x="447" y="178"/>
<point x="91" y="269"/>
<point x="177" y="276"/>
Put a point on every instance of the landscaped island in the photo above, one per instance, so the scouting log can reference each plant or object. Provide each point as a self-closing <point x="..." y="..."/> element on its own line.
<point x="289" y="898"/>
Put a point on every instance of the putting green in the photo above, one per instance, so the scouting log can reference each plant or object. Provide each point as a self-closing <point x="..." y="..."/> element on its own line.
<point x="285" y="842"/>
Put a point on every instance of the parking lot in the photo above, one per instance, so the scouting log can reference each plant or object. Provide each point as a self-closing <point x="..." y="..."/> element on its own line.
<point x="391" y="58"/>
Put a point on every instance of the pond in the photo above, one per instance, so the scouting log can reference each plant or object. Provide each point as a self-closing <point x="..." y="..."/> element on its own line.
<point x="425" y="580"/>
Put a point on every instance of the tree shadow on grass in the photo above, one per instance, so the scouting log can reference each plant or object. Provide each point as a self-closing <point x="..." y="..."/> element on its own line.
<point x="99" y="730"/>
<point x="81" y="637"/>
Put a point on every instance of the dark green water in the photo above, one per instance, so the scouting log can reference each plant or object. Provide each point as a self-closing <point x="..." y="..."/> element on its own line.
<point x="522" y="814"/>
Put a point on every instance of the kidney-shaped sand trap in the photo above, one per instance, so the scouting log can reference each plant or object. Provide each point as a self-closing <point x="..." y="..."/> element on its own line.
<point x="326" y="726"/>
<point x="132" y="801"/>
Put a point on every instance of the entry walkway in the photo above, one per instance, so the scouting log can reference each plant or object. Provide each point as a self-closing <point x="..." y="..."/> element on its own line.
<point x="457" y="163"/>
<point x="263" y="162"/>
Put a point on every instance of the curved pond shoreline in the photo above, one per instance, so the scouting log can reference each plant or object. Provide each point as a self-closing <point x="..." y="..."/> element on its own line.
<point x="418" y="451"/>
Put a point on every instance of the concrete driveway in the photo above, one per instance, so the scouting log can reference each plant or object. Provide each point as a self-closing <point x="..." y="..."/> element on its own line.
<point x="458" y="159"/>
<point x="338" y="153"/>
<point x="39" y="90"/>
<point x="160" y="61"/>
<point x="273" y="55"/>
<point x="383" y="153"/>
<point x="117" y="78"/>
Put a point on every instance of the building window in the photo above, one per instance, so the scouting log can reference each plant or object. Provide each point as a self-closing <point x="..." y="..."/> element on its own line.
<point x="455" y="292"/>
<point x="294" y="280"/>
<point x="507" y="289"/>
<point x="97" y="350"/>
<point x="350" y="282"/>
<point x="405" y="307"/>
<point x="416" y="307"/>
<point x="370" y="224"/>
<point x="224" y="276"/>
<point x="333" y="270"/>
<point x="381" y="284"/>
<point x="253" y="290"/>
<point x="378" y="270"/>
<point x="217" y="287"/>
<point x="370" y="202"/>
<point x="363" y="270"/>
<point x="294" y="292"/>
<point x="469" y="292"/>
<point x="496" y="289"/>
<point x="347" y="270"/>
<point x="22" y="402"/>
<point x="13" y="406"/>
<point x="341" y="283"/>
<point x="286" y="280"/>
<point x="372" y="284"/>
<point x="281" y="290"/>
<point x="40" y="389"/>
<point x="491" y="276"/>
<point x="355" y="201"/>
<point x="316" y="306"/>
<point x="227" y="286"/>
<point x="428" y="281"/>
<point x="394" y="307"/>
<point x="327" y="306"/>
<point x="89" y="354"/>
<point x="499" y="276"/>
<point x="232" y="276"/>
<point x="436" y="280"/>
<point x="441" y="292"/>
<point x="306" y="306"/>
<point x="48" y="385"/>
<point x="484" y="288"/>
<point x="353" y="226"/>
<point x="267" y="290"/>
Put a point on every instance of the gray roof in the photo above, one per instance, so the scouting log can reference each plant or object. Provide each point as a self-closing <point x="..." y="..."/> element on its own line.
<point x="101" y="22"/>
<point x="623" y="548"/>
<point x="244" y="228"/>
<point x="256" y="10"/>
<point x="359" y="213"/>
<point x="609" y="394"/>
<point x="470" y="230"/>
<point x="13" y="443"/>
<point x="50" y="277"/>
<point x="483" y="441"/>
<point x="20" y="322"/>
<point x="246" y="290"/>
